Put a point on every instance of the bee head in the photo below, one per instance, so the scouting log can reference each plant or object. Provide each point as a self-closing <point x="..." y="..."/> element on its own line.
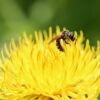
<point x="71" y="36"/>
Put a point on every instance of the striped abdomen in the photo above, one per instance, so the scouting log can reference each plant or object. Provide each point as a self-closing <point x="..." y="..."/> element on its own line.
<point x="58" y="44"/>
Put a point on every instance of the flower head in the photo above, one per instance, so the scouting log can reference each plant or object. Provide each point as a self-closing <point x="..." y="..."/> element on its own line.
<point x="36" y="70"/>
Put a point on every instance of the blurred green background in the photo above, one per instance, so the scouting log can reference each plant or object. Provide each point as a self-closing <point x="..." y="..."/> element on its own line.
<point x="18" y="16"/>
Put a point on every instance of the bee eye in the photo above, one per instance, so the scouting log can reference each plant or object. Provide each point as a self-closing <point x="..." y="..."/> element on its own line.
<point x="71" y="36"/>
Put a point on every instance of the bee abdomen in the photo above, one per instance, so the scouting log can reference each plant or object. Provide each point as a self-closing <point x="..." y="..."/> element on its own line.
<point x="59" y="46"/>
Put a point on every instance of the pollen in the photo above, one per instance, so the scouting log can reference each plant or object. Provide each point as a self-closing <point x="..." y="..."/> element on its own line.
<point x="35" y="70"/>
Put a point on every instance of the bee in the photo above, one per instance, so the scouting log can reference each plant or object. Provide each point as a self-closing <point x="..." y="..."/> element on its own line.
<point x="65" y="36"/>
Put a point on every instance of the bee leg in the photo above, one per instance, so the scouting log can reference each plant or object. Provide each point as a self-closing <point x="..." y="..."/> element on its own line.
<point x="75" y="41"/>
<point x="66" y="42"/>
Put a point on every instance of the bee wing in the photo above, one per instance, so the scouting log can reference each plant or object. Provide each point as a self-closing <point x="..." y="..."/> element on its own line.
<point x="55" y="38"/>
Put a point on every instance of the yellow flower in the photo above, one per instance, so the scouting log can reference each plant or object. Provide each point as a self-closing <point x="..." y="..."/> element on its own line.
<point x="36" y="70"/>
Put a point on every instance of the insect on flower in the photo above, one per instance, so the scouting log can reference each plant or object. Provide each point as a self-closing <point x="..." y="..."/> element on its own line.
<point x="65" y="36"/>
